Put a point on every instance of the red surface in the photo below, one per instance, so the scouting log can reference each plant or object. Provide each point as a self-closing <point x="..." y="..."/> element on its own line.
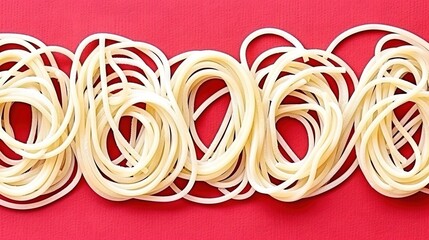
<point x="351" y="210"/>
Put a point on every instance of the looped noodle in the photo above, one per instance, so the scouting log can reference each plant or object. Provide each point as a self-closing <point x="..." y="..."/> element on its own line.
<point x="224" y="160"/>
<point x="379" y="134"/>
<point x="288" y="76"/>
<point x="46" y="170"/>
<point x="156" y="153"/>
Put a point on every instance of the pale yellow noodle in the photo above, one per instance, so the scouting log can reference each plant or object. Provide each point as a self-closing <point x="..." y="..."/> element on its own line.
<point x="313" y="174"/>
<point x="47" y="170"/>
<point x="378" y="131"/>
<point x="155" y="154"/>
<point x="223" y="163"/>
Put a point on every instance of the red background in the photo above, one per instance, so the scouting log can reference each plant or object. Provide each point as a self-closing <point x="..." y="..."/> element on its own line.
<point x="351" y="210"/>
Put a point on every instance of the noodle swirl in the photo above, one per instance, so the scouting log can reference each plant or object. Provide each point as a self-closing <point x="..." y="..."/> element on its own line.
<point x="46" y="170"/>
<point x="156" y="153"/>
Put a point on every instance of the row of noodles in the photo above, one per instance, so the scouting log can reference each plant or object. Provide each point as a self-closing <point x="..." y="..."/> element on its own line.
<point x="350" y="121"/>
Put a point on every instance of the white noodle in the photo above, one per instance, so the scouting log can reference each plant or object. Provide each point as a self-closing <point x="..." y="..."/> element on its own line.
<point x="378" y="132"/>
<point x="156" y="154"/>
<point x="47" y="169"/>
<point x="223" y="162"/>
<point x="327" y="139"/>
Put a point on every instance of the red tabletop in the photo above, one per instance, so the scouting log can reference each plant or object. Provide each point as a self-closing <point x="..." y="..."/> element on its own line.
<point x="352" y="210"/>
